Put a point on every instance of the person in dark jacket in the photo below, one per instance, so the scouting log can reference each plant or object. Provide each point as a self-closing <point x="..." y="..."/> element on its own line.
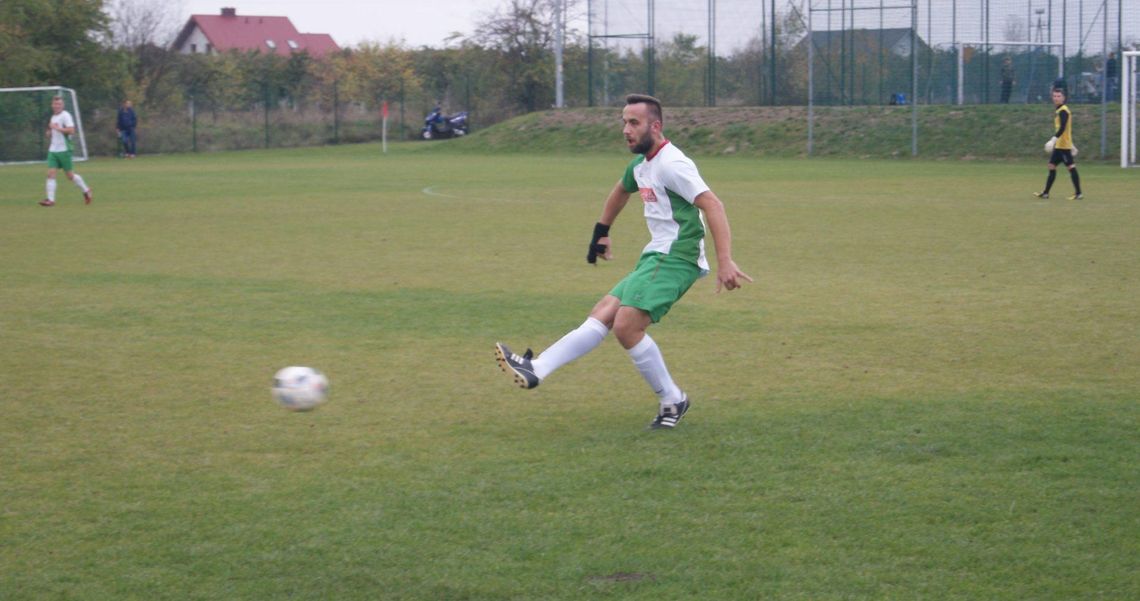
<point x="1006" y="79"/>
<point x="126" y="128"/>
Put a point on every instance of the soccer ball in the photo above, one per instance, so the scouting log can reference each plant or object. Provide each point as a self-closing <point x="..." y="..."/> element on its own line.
<point x="300" y="388"/>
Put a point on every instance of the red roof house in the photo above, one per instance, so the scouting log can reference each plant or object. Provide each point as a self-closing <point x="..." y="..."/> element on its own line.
<point x="208" y="34"/>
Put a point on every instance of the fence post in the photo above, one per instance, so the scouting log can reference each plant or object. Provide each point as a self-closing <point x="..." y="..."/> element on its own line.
<point x="193" y="125"/>
<point x="772" y="59"/>
<point x="265" y="90"/>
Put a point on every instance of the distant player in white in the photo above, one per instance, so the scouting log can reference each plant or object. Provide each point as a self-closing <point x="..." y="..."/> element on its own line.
<point x="674" y="197"/>
<point x="60" y="128"/>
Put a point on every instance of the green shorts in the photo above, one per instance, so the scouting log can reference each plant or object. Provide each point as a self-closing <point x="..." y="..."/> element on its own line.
<point x="60" y="160"/>
<point x="658" y="281"/>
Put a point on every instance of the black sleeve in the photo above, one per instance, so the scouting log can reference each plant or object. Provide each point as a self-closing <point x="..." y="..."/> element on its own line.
<point x="1064" y="124"/>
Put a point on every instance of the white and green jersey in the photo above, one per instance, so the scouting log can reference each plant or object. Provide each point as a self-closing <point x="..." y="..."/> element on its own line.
<point x="669" y="183"/>
<point x="59" y="140"/>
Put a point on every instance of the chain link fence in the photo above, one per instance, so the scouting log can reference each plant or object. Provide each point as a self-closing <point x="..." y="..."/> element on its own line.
<point x="828" y="54"/>
<point x="198" y="125"/>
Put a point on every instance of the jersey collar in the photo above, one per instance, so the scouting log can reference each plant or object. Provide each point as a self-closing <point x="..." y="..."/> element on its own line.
<point x="649" y="156"/>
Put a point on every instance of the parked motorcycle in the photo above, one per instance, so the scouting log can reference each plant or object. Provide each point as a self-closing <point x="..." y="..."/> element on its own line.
<point x="437" y="125"/>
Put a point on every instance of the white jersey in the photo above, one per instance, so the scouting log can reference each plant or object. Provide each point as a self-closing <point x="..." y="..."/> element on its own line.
<point x="669" y="183"/>
<point x="58" y="140"/>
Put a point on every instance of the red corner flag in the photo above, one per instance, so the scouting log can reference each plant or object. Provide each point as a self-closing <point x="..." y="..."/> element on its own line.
<point x="384" y="110"/>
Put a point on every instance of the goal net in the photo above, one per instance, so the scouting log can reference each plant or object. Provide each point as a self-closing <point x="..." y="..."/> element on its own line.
<point x="24" y="116"/>
<point x="1129" y="100"/>
<point x="1007" y="72"/>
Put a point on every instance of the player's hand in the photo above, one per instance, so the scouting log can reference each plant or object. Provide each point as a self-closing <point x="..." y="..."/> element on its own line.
<point x="729" y="276"/>
<point x="1050" y="144"/>
<point x="1075" y="151"/>
<point x="608" y="253"/>
<point x="599" y="244"/>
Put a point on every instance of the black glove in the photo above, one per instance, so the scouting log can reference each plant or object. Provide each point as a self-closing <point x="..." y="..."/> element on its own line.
<point x="601" y="230"/>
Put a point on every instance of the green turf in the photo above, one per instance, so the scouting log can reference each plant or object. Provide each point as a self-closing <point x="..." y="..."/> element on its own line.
<point x="930" y="392"/>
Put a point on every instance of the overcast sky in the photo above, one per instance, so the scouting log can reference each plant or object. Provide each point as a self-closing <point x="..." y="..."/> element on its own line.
<point x="429" y="22"/>
<point x="416" y="22"/>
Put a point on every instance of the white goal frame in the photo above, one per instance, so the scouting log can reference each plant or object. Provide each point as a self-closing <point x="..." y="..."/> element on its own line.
<point x="987" y="45"/>
<point x="80" y="137"/>
<point x="1129" y="65"/>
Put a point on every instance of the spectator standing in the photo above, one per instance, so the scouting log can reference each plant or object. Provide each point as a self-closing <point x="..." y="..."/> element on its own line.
<point x="1006" y="79"/>
<point x="1110" y="77"/>
<point x="127" y="122"/>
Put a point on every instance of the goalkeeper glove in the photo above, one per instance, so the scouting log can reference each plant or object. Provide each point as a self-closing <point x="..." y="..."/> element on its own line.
<point x="601" y="230"/>
<point x="1075" y="151"/>
<point x="1050" y="144"/>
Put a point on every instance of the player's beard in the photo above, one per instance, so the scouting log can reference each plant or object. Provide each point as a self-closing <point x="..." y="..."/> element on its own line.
<point x="644" y="145"/>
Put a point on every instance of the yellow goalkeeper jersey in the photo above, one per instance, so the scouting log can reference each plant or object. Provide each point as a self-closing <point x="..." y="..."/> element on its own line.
<point x="1063" y="125"/>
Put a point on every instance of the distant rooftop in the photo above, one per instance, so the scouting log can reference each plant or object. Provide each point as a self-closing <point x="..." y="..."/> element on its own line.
<point x="209" y="34"/>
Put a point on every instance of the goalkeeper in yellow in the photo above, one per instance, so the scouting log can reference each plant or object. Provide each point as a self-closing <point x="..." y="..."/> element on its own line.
<point x="1061" y="147"/>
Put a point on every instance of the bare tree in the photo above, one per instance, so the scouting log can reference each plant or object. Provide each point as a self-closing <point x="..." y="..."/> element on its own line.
<point x="136" y="23"/>
<point x="144" y="30"/>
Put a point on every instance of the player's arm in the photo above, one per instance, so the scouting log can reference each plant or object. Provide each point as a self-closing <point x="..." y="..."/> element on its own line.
<point x="1064" y="124"/>
<point x="600" y="242"/>
<point x="727" y="273"/>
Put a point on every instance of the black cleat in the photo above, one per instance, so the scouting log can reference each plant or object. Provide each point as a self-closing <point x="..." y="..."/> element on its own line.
<point x="517" y="366"/>
<point x="1044" y="195"/>
<point x="669" y="415"/>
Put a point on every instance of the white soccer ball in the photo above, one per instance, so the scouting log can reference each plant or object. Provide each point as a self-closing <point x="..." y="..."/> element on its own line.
<point x="300" y="388"/>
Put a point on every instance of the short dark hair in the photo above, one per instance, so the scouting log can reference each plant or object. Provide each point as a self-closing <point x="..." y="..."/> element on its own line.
<point x="1062" y="90"/>
<point x="654" y="105"/>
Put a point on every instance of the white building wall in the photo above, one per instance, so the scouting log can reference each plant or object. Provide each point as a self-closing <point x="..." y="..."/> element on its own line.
<point x="196" y="43"/>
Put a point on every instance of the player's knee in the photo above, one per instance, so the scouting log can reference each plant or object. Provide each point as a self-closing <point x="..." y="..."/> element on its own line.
<point x="629" y="328"/>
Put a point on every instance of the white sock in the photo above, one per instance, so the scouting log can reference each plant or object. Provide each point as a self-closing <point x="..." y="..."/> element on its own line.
<point x="647" y="357"/>
<point x="51" y="189"/>
<point x="574" y="344"/>
<point x="79" y="182"/>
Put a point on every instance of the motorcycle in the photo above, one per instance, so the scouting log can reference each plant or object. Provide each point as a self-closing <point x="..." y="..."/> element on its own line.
<point x="437" y="125"/>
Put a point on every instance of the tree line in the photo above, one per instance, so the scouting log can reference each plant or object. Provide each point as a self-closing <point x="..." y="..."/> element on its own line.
<point x="110" y="50"/>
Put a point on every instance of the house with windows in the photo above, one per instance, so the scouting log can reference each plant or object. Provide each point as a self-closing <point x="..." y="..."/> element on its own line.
<point x="211" y="34"/>
<point x="868" y="42"/>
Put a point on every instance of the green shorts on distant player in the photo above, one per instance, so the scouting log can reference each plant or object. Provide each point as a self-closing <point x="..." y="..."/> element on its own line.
<point x="60" y="160"/>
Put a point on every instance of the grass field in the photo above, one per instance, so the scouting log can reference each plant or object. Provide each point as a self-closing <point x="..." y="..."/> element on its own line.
<point x="931" y="391"/>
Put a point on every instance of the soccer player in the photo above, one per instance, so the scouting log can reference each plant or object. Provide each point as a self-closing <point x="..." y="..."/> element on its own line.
<point x="60" y="129"/>
<point x="674" y="196"/>
<point x="1061" y="146"/>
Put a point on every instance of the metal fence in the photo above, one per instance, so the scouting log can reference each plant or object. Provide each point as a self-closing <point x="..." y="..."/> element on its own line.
<point x="836" y="53"/>
<point x="201" y="126"/>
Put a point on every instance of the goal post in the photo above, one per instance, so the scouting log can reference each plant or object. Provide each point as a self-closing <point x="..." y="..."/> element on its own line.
<point x="1129" y="73"/>
<point x="24" y="115"/>
<point x="1026" y="48"/>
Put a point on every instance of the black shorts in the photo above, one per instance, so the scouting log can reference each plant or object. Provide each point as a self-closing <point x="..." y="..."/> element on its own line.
<point x="1062" y="156"/>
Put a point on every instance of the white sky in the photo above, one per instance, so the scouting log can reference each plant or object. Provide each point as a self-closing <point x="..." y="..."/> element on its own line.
<point x="416" y="22"/>
<point x="428" y="22"/>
